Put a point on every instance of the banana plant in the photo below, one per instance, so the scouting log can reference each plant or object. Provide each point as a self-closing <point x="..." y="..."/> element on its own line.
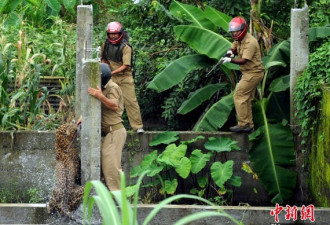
<point x="202" y="36"/>
<point x="272" y="150"/>
<point x="270" y="165"/>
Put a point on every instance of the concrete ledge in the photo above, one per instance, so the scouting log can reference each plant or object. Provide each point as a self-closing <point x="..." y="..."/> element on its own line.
<point x="23" y="213"/>
<point x="36" y="214"/>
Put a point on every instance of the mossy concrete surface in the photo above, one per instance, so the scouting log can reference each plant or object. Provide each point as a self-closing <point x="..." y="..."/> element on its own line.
<point x="320" y="155"/>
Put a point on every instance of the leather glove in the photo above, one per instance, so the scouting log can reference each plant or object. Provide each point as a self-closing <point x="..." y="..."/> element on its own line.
<point x="226" y="60"/>
<point x="230" y="54"/>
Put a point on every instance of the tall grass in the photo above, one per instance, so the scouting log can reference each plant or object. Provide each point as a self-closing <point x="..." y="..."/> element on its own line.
<point x="26" y="55"/>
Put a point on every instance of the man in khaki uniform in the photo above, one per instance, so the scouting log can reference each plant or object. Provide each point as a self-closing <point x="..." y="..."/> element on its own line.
<point x="113" y="131"/>
<point x="117" y="53"/>
<point x="249" y="59"/>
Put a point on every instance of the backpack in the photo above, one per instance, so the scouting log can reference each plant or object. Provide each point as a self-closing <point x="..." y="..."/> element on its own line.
<point x="117" y="51"/>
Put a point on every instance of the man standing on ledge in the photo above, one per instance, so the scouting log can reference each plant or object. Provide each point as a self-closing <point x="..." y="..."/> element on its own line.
<point x="247" y="49"/>
<point x="118" y="54"/>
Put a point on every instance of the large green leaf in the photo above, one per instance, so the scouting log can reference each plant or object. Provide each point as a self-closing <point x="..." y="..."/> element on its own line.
<point x="172" y="155"/>
<point x="271" y="152"/>
<point x="221" y="172"/>
<point x="202" y="40"/>
<point x="217" y="115"/>
<point x="280" y="84"/>
<point x="198" y="160"/>
<point x="148" y="164"/>
<point x="279" y="52"/>
<point x="235" y="181"/>
<point x="221" y="144"/>
<point x="193" y="14"/>
<point x="202" y="181"/>
<point x="218" y="18"/>
<point x="13" y="4"/>
<point x="183" y="168"/>
<point x="12" y="20"/>
<point x="199" y="96"/>
<point x="170" y="187"/>
<point x="177" y="70"/>
<point x="318" y="32"/>
<point x="54" y="5"/>
<point x="3" y="5"/>
<point x="69" y="5"/>
<point x="166" y="137"/>
<point x="199" y="137"/>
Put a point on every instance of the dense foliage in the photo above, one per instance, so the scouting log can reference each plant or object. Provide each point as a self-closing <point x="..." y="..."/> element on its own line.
<point x="308" y="93"/>
<point x="150" y="25"/>
<point x="172" y="168"/>
<point x="27" y="54"/>
<point x="309" y="87"/>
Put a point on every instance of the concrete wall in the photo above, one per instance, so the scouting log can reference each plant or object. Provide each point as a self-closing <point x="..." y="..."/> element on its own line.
<point x="28" y="160"/>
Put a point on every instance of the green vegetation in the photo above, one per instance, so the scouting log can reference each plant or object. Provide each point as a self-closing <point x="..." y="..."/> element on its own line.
<point x="175" y="165"/>
<point x="14" y="194"/>
<point x="308" y="92"/>
<point x="319" y="168"/>
<point x="27" y="54"/>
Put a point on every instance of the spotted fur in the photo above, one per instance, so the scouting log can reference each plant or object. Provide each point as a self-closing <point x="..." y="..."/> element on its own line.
<point x="67" y="193"/>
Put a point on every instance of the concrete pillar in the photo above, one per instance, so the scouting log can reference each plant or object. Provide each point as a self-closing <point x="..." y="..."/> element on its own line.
<point x="84" y="37"/>
<point x="299" y="54"/>
<point x="91" y="123"/>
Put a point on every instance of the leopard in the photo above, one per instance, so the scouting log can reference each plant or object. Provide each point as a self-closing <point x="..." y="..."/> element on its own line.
<point x="67" y="192"/>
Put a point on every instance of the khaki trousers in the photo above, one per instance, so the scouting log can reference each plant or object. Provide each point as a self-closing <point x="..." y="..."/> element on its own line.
<point x="126" y="84"/>
<point x="112" y="147"/>
<point x="244" y="95"/>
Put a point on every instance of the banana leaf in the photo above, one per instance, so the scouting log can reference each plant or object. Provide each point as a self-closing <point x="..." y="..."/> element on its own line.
<point x="202" y="40"/>
<point x="199" y="96"/>
<point x="271" y="153"/>
<point x="318" y="32"/>
<point x="177" y="70"/>
<point x="280" y="53"/>
<point x="193" y="14"/>
<point x="218" y="18"/>
<point x="280" y="84"/>
<point x="217" y="115"/>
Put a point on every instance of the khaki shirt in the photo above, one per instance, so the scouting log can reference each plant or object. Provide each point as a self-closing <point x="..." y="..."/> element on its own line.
<point x="127" y="55"/>
<point x="111" y="117"/>
<point x="249" y="49"/>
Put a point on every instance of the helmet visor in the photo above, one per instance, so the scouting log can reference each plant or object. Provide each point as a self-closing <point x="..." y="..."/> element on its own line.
<point x="234" y="26"/>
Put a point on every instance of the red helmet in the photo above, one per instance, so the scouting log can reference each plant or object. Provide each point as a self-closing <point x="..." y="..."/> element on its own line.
<point x="115" y="28"/>
<point x="236" y="24"/>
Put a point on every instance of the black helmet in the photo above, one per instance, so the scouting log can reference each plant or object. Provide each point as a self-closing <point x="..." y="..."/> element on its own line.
<point x="105" y="74"/>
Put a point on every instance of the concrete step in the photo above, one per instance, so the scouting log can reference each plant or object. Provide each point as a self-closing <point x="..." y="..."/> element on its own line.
<point x="37" y="214"/>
